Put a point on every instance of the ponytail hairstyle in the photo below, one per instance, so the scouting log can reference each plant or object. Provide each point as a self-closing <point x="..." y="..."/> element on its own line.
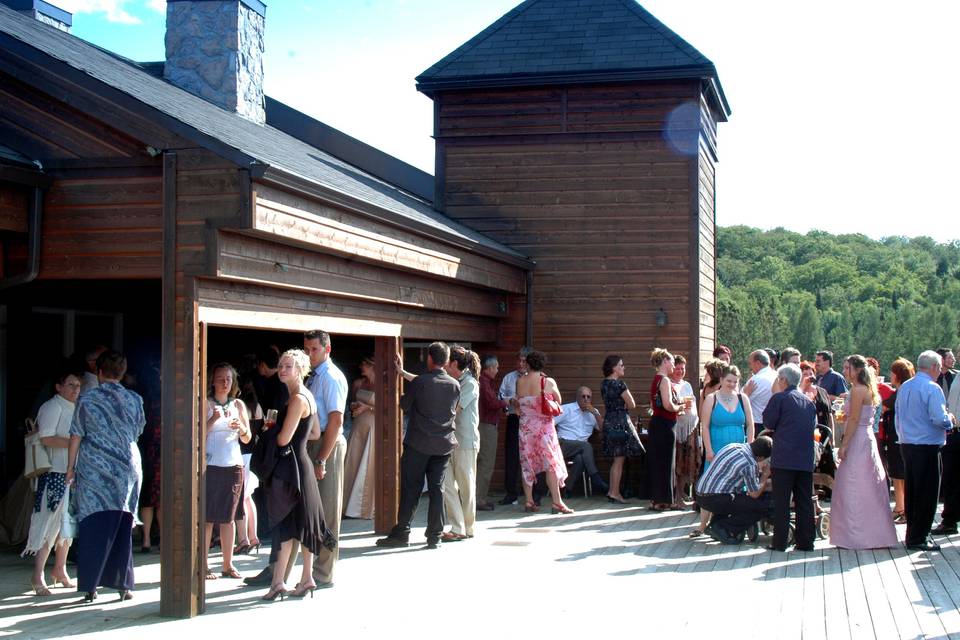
<point x="864" y="374"/>
<point x="466" y="360"/>
<point x="658" y="355"/>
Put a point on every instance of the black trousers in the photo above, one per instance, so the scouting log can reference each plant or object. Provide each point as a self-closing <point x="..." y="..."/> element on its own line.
<point x="734" y="513"/>
<point x="661" y="460"/>
<point x="921" y="489"/>
<point x="105" y="551"/>
<point x="799" y="485"/>
<point x="511" y="456"/>
<point x="414" y="467"/>
<point x="950" y="481"/>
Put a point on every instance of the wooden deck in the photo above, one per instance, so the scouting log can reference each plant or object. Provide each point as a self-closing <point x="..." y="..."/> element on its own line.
<point x="606" y="568"/>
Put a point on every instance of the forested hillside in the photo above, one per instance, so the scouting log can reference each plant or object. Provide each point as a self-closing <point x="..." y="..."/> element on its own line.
<point x="846" y="293"/>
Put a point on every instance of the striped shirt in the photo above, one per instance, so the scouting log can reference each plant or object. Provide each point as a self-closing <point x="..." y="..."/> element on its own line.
<point x="731" y="470"/>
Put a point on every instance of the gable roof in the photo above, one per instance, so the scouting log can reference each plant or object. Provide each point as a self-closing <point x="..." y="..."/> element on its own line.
<point x="571" y="41"/>
<point x="268" y="152"/>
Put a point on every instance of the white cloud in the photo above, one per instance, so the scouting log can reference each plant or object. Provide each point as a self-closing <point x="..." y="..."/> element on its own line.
<point x="159" y="6"/>
<point x="114" y="10"/>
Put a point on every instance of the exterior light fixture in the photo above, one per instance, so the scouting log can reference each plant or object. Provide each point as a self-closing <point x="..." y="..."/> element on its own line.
<point x="661" y="318"/>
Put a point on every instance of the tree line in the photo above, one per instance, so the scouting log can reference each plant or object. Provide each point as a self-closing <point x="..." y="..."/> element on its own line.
<point x="846" y="293"/>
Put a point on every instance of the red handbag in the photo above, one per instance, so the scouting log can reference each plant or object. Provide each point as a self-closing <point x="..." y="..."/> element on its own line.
<point x="548" y="406"/>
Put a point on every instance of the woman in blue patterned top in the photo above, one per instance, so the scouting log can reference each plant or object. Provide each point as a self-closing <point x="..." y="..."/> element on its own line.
<point x="104" y="466"/>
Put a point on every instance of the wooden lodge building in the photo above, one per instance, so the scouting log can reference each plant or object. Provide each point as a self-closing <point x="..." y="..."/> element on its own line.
<point x="173" y="211"/>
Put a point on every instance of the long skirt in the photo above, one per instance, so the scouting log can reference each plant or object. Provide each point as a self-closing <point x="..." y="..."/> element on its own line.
<point x="105" y="552"/>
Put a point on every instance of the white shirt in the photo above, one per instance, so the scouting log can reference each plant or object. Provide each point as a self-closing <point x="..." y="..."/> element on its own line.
<point x="223" y="443"/>
<point x="688" y="421"/>
<point x="508" y="388"/>
<point x="53" y="420"/>
<point x="953" y="400"/>
<point x="761" y="388"/>
<point x="575" y="423"/>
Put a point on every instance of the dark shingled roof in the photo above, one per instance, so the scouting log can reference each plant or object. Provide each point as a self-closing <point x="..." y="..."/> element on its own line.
<point x="265" y="149"/>
<point x="565" y="41"/>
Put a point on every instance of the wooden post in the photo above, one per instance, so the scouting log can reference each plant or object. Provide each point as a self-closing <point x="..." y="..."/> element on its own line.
<point x="387" y="434"/>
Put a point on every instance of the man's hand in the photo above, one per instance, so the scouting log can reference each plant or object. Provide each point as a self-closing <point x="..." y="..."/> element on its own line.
<point x="398" y="360"/>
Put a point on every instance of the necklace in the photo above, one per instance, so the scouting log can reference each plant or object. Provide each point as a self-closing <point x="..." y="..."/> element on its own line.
<point x="223" y="405"/>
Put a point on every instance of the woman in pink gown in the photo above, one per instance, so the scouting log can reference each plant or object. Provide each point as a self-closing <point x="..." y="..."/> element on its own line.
<point x="860" y="509"/>
<point x="539" y="447"/>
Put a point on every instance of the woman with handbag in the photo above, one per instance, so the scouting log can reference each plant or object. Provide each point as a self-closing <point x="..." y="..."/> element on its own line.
<point x="53" y="423"/>
<point x="619" y="436"/>
<point x="539" y="402"/>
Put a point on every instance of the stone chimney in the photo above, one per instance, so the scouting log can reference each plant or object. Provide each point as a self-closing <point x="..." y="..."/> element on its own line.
<point x="43" y="11"/>
<point x="215" y="50"/>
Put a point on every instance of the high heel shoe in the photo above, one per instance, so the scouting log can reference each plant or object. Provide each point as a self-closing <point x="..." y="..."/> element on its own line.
<point x="560" y="508"/>
<point x="241" y="548"/>
<point x="90" y="596"/>
<point x="41" y="590"/>
<point x="274" y="592"/>
<point x="254" y="545"/>
<point x="125" y="595"/>
<point x="64" y="582"/>
<point x="302" y="590"/>
<point x="531" y="507"/>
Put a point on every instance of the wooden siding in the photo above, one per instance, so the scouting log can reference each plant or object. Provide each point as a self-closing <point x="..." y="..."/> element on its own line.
<point x="707" y="277"/>
<point x="313" y="225"/>
<point x="14" y="202"/>
<point x="103" y="227"/>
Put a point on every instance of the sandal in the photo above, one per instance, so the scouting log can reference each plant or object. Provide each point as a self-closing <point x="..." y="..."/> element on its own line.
<point x="531" y="507"/>
<point x="210" y="575"/>
<point x="241" y="548"/>
<point x="63" y="581"/>
<point x="231" y="573"/>
<point x="41" y="590"/>
<point x="560" y="508"/>
<point x="450" y="536"/>
<point x="696" y="533"/>
<point x="899" y="517"/>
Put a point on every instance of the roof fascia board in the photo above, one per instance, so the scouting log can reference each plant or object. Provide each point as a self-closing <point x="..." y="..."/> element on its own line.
<point x="98" y="91"/>
<point x="291" y="182"/>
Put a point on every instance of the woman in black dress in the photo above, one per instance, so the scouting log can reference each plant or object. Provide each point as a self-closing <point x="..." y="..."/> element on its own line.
<point x="619" y="439"/>
<point x="304" y="521"/>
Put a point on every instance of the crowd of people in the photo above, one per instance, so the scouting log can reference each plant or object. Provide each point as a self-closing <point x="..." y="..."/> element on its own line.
<point x="739" y="451"/>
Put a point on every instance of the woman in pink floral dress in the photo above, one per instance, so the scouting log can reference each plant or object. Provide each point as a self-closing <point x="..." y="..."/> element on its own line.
<point x="539" y="447"/>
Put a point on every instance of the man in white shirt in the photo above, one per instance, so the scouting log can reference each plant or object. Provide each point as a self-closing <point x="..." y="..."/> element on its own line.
<point x="574" y="427"/>
<point x="511" y="440"/>
<point x="760" y="386"/>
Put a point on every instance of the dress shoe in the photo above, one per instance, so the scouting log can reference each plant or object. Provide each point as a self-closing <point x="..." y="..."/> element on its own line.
<point x="262" y="579"/>
<point x="485" y="506"/>
<point x="928" y="545"/>
<point x="433" y="544"/>
<point x="508" y="499"/>
<point x="392" y="543"/>
<point x="944" y="530"/>
<point x="324" y="585"/>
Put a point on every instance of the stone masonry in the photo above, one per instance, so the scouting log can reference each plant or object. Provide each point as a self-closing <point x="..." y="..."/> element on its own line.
<point x="215" y="50"/>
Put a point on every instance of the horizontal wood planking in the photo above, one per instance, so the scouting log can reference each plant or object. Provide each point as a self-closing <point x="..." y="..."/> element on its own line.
<point x="14" y="202"/>
<point x="255" y="258"/>
<point x="314" y="225"/>
<point x="107" y="227"/>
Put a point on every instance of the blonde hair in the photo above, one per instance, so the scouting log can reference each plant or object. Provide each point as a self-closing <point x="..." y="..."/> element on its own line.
<point x="300" y="359"/>
<point x="864" y="375"/>
<point x="658" y="355"/>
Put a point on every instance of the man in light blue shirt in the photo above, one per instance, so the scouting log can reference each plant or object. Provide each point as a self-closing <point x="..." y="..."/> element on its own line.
<point x="329" y="387"/>
<point x="574" y="427"/>
<point x="922" y="422"/>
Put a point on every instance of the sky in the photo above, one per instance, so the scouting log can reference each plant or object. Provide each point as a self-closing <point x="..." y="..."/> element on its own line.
<point x="844" y="113"/>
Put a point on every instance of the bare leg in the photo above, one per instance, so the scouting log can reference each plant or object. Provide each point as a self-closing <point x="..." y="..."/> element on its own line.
<point x="59" y="573"/>
<point x="241" y="527"/>
<point x="146" y="514"/>
<point x="251" y="508"/>
<point x="227" y="532"/>
<point x="528" y="492"/>
<point x="554" y="484"/>
<point x="898" y="496"/>
<point x="208" y="536"/>
<point x="39" y="562"/>
<point x="306" y="576"/>
<point x="280" y="566"/>
<point x="616" y="474"/>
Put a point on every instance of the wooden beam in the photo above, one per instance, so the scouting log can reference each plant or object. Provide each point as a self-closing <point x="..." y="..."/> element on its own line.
<point x="387" y="435"/>
<point x="299" y="322"/>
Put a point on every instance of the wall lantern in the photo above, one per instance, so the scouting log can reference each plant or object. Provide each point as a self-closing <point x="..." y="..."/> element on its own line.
<point x="661" y="318"/>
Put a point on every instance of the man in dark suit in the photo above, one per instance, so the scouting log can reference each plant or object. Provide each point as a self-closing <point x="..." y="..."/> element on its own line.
<point x="430" y="403"/>
<point x="792" y="417"/>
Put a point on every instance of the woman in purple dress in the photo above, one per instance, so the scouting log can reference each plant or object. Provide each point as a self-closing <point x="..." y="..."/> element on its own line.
<point x="860" y="509"/>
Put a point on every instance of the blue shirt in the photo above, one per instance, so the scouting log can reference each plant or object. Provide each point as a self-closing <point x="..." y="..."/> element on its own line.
<point x="793" y="418"/>
<point x="329" y="388"/>
<point x="921" y="412"/>
<point x="733" y="469"/>
<point x="832" y="382"/>
<point x="109" y="419"/>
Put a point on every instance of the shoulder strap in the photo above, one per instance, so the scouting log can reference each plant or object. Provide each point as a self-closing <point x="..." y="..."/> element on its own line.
<point x="740" y="397"/>
<point x="543" y="382"/>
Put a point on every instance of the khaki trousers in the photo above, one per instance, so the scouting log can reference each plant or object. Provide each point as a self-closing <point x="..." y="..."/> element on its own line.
<point x="460" y="490"/>
<point x="486" y="459"/>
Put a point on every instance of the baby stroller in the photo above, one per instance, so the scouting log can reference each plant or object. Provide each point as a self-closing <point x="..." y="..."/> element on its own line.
<point x="824" y="469"/>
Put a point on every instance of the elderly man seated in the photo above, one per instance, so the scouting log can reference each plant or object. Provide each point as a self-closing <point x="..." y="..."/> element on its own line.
<point x="731" y="489"/>
<point x="574" y="427"/>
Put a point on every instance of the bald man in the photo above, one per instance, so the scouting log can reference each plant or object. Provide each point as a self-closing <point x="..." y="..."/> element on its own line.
<point x="574" y="427"/>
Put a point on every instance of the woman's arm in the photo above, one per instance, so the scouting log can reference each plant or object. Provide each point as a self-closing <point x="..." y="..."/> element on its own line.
<point x="707" y="413"/>
<point x="55" y="442"/>
<point x="748" y="421"/>
<point x="244" y="421"/>
<point x="666" y="397"/>
<point x="294" y="412"/>
<point x="550" y="386"/>
<point x="213" y="414"/>
<point x="73" y="449"/>
<point x="857" y="396"/>
<point x="628" y="399"/>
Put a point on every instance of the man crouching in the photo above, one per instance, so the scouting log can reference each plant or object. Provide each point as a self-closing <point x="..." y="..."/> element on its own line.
<point x="731" y="488"/>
